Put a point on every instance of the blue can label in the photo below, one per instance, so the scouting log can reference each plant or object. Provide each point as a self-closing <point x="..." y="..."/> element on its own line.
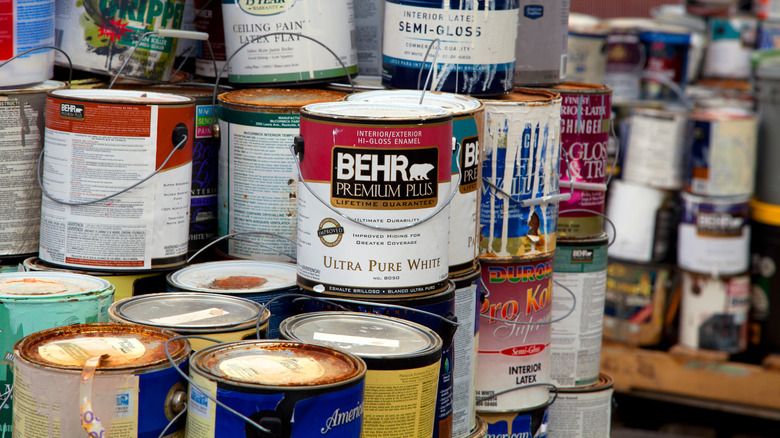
<point x="533" y="11"/>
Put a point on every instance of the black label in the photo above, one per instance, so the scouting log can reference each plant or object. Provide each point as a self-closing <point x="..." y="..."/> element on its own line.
<point x="72" y="111"/>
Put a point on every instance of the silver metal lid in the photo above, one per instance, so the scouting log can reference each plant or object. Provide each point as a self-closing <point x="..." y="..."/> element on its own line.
<point x="186" y="310"/>
<point x="456" y="103"/>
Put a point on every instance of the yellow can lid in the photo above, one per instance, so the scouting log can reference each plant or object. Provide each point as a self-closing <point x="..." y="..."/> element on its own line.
<point x="765" y="213"/>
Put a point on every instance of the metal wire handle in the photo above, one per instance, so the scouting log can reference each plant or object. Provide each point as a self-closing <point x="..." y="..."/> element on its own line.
<point x="422" y="67"/>
<point x="509" y="321"/>
<point x="70" y="64"/>
<point x="550" y="400"/>
<point x="7" y="396"/>
<point x="605" y="217"/>
<point x="174" y="420"/>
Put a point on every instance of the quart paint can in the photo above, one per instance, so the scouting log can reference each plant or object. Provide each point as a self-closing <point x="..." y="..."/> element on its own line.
<point x="278" y="59"/>
<point x="636" y="299"/>
<point x="214" y="316"/>
<point x="33" y="301"/>
<point x="520" y="424"/>
<point x="22" y="111"/>
<point x="114" y="375"/>
<point x="99" y="143"/>
<point x="540" y="48"/>
<point x="714" y="312"/>
<point x="369" y="18"/>
<point x="476" y="48"/>
<point x="720" y="155"/>
<point x="208" y="18"/>
<point x="370" y="169"/>
<point x="764" y="331"/>
<point x="468" y="121"/>
<point x="99" y="36"/>
<point x="586" y="115"/>
<point x="586" y="50"/>
<point x="254" y="280"/>
<point x="402" y="358"/>
<point x="27" y="24"/>
<point x="767" y="89"/>
<point x="521" y="159"/>
<point x="513" y="363"/>
<point x="468" y="302"/>
<point x="714" y="235"/>
<point x="583" y="412"/>
<point x="731" y="43"/>
<point x="258" y="182"/>
<point x="575" y="349"/>
<point x="655" y="140"/>
<point x="667" y="48"/>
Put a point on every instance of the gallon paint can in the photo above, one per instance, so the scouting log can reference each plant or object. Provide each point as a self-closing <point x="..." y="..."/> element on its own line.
<point x="99" y="143"/>
<point x="208" y="18"/>
<point x="402" y="358"/>
<point x="522" y="153"/>
<point x="714" y="312"/>
<point x="258" y="182"/>
<point x="575" y="349"/>
<point x="720" y="157"/>
<point x="287" y="59"/>
<point x="714" y="235"/>
<point x="586" y="113"/>
<point x="32" y="302"/>
<point x="583" y="412"/>
<point x="223" y="318"/>
<point x="476" y="49"/>
<point x="368" y="169"/>
<point x="667" y="48"/>
<point x="27" y="24"/>
<point x="369" y="17"/>
<point x="764" y="333"/>
<point x="540" y="49"/>
<point x="257" y="281"/>
<point x="586" y="54"/>
<point x="468" y="121"/>
<point x="731" y="42"/>
<point x="98" y="37"/>
<point x="513" y="363"/>
<point x="21" y="139"/>
<point x="135" y="391"/>
<point x="767" y="85"/>
<point x="468" y="302"/>
<point x="636" y="299"/>
<point x="526" y="423"/>
<point x="626" y="57"/>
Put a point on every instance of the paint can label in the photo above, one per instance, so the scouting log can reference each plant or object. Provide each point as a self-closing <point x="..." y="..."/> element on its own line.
<point x="586" y="58"/>
<point x="466" y="168"/>
<point x="25" y="25"/>
<point x="368" y="32"/>
<point x="584" y="414"/>
<point x="625" y="62"/>
<point x="667" y="56"/>
<point x="540" y="49"/>
<point x="203" y="194"/>
<point x="654" y="148"/>
<point x="514" y="352"/>
<point x="465" y="344"/>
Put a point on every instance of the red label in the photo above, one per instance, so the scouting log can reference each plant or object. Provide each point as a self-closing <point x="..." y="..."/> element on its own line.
<point x="523" y="350"/>
<point x="6" y="29"/>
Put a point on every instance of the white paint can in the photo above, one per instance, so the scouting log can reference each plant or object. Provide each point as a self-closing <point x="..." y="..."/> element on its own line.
<point x="582" y="412"/>
<point x="730" y="46"/>
<point x="540" y="48"/>
<point x="25" y="25"/>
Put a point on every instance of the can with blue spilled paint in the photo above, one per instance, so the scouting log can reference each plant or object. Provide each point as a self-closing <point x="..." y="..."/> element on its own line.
<point x="529" y="423"/>
<point x="476" y="50"/>
<point x="290" y="388"/>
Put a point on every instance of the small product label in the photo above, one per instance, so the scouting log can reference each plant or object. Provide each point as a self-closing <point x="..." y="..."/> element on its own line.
<point x="184" y="318"/>
<point x="272" y="369"/>
<point x="74" y="352"/>
<point x="356" y="340"/>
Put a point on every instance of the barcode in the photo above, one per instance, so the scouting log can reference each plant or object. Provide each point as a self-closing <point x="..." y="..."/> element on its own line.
<point x="58" y="38"/>
<point x="352" y="38"/>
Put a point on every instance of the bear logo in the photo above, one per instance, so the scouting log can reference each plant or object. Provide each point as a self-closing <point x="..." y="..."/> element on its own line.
<point x="419" y="172"/>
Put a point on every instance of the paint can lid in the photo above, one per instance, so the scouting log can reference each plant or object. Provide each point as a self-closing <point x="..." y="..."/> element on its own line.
<point x="457" y="103"/>
<point x="121" y="96"/>
<point x="278" y="98"/>
<point x="377" y="112"/>
<point x="37" y="88"/>
<point x="234" y="277"/>
<point x="276" y="363"/>
<point x="187" y="310"/>
<point x="361" y="83"/>
<point x="580" y="88"/>
<point x="765" y="213"/>
<point x="30" y="285"/>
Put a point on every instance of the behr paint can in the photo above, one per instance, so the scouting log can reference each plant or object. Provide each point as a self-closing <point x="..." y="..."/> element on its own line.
<point x="540" y="48"/>
<point x="22" y="111"/>
<point x="584" y="412"/>
<point x="527" y="423"/>
<point x="258" y="181"/>
<point x="764" y="330"/>
<point x="35" y="301"/>
<point x="514" y="336"/>
<point x="254" y="280"/>
<point x="714" y="312"/>
<point x="219" y="317"/>
<point x="575" y="349"/>
<point x="402" y="358"/>
<point x="714" y="235"/>
<point x="99" y="143"/>
<point x="27" y="24"/>
<point x="468" y="121"/>
<point x="286" y="58"/>
<point x="476" y="49"/>
<point x="521" y="158"/>
<point x="135" y="391"/>
<point x="383" y="165"/>
<point x="468" y="302"/>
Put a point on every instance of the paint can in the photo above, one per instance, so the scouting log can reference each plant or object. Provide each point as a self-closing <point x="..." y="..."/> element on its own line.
<point x="468" y="301"/>
<point x="253" y="280"/>
<point x="540" y="48"/>
<point x="62" y="377"/>
<point x="636" y="299"/>
<point x="767" y="84"/>
<point x="586" y="115"/>
<point x="369" y="15"/>
<point x="768" y="35"/>
<point x="360" y="83"/>
<point x="714" y="312"/>
<point x="583" y="412"/>
<point x="288" y="59"/>
<point x="731" y="43"/>
<point x="208" y="18"/>
<point x="586" y="49"/>
<point x="522" y="153"/>
<point x="224" y="318"/>
<point x="626" y="57"/>
<point x="468" y="121"/>
<point x="514" y="335"/>
<point x="521" y="424"/>
<point x="668" y="51"/>
<point x="476" y="49"/>
<point x="402" y="358"/>
<point x="368" y="170"/>
<point x="31" y="302"/>
<point x="764" y="332"/>
<point x="21" y="140"/>
<point x="258" y="182"/>
<point x="99" y="37"/>
<point x="766" y="9"/>
<point x="722" y="93"/>
<point x="652" y="217"/>
<point x="575" y="348"/>
<point x="655" y="140"/>
<point x="99" y="143"/>
<point x="27" y="24"/>
<point x="480" y="430"/>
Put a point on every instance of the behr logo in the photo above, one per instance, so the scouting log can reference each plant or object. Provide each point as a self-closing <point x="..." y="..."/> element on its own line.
<point x="582" y="255"/>
<point x="72" y="111"/>
<point x="330" y="232"/>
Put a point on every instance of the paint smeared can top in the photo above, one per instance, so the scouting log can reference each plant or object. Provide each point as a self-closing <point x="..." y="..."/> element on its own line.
<point x="457" y="103"/>
<point x="235" y="277"/>
<point x="274" y="363"/>
<point x="48" y="284"/>
<point x="272" y="98"/>
<point x="124" y="96"/>
<point x="529" y="95"/>
<point x="127" y="346"/>
<point x="37" y="88"/>
<point x="382" y="113"/>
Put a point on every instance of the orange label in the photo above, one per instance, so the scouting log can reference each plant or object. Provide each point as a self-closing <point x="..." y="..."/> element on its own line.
<point x="82" y="117"/>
